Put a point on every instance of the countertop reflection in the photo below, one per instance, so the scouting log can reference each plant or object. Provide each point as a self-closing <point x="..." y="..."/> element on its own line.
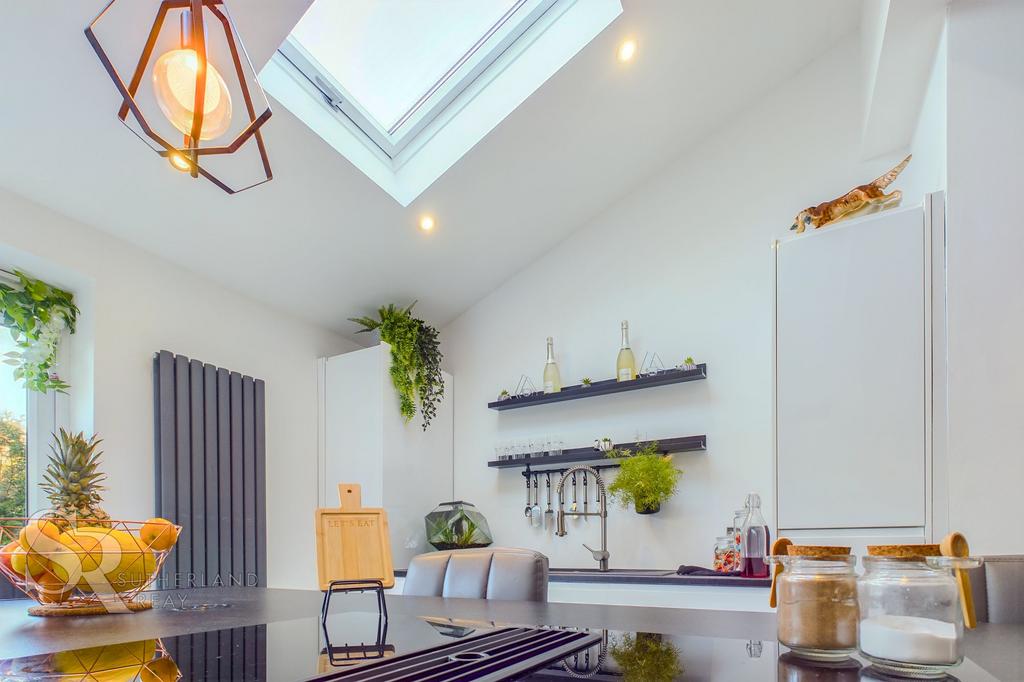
<point x="277" y="635"/>
<point x="305" y="648"/>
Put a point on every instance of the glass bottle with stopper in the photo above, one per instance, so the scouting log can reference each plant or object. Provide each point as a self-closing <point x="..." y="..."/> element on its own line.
<point x="625" y="364"/>
<point x="754" y="540"/>
<point x="552" y="379"/>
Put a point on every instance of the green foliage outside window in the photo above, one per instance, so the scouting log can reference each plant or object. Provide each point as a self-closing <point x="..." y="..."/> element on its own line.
<point x="13" y="466"/>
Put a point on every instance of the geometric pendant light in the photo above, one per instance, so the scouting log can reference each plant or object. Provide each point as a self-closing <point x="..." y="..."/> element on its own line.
<point x="190" y="93"/>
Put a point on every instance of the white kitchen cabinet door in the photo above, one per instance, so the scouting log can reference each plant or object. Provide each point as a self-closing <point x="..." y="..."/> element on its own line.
<point x="850" y="374"/>
<point x="365" y="440"/>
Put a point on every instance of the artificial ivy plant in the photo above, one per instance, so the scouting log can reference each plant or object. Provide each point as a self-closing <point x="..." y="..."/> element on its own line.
<point x="37" y="314"/>
<point x="646" y="478"/>
<point x="415" y="359"/>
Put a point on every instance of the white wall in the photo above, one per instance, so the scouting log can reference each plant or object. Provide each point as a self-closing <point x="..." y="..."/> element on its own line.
<point x="686" y="259"/>
<point x="135" y="304"/>
<point x="986" y="276"/>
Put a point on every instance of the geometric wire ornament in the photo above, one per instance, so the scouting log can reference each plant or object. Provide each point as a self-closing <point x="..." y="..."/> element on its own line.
<point x="652" y="364"/>
<point x="188" y="89"/>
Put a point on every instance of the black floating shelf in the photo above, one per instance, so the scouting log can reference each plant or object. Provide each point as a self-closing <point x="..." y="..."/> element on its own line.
<point x="579" y="455"/>
<point x="605" y="387"/>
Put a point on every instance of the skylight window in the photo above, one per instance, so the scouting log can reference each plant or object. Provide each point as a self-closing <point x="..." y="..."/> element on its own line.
<point x="399" y="76"/>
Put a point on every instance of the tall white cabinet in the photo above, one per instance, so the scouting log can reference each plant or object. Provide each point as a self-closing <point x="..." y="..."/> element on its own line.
<point x="859" y="380"/>
<point x="365" y="440"/>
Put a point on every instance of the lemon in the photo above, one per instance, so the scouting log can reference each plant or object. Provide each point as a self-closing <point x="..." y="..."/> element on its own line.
<point x="111" y="663"/>
<point x="122" y="562"/>
<point x="39" y="536"/>
<point x="28" y="564"/>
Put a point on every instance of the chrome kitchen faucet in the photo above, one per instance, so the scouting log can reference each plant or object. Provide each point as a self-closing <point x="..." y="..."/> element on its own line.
<point x="601" y="555"/>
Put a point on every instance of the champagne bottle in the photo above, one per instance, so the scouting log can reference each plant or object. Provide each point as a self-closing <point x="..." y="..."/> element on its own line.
<point x="552" y="379"/>
<point x="625" y="364"/>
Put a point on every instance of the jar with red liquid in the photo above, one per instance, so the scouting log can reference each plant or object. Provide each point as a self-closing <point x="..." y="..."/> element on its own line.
<point x="754" y="541"/>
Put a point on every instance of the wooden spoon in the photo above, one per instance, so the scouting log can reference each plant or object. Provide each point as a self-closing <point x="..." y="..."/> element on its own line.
<point x="955" y="545"/>
<point x="778" y="548"/>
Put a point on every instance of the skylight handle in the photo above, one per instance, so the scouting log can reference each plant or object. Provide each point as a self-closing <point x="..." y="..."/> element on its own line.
<point x="332" y="96"/>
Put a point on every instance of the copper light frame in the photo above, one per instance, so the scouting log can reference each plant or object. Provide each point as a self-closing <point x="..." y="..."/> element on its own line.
<point x="190" y="153"/>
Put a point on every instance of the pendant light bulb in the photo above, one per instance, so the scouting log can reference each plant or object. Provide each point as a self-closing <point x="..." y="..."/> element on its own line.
<point x="179" y="162"/>
<point x="174" y="84"/>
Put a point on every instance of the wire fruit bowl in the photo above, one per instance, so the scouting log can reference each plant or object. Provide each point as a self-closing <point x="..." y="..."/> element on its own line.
<point x="83" y="568"/>
<point x="145" y="660"/>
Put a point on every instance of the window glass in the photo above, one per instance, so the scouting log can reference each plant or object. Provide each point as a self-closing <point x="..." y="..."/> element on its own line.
<point x="13" y="458"/>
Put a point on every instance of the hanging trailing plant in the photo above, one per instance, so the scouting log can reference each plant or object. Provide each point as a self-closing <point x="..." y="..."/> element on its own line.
<point x="415" y="359"/>
<point x="37" y="314"/>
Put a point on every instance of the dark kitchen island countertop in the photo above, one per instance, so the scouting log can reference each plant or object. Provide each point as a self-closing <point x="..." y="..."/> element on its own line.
<point x="998" y="649"/>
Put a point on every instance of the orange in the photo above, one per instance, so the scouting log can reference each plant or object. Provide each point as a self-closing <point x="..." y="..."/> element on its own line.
<point x="158" y="534"/>
<point x="52" y="590"/>
<point x="7" y="553"/>
<point x="160" y="670"/>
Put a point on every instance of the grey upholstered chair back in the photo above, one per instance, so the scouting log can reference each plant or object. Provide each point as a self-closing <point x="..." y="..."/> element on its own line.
<point x="490" y="573"/>
<point x="998" y="587"/>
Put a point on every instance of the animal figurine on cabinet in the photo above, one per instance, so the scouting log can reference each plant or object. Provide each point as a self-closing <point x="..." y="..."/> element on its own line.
<point x="860" y="199"/>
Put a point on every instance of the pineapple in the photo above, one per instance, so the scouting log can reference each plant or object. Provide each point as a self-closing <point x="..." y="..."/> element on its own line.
<point x="72" y="480"/>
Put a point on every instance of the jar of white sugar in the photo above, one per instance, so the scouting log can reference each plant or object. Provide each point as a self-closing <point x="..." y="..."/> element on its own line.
<point x="911" y="622"/>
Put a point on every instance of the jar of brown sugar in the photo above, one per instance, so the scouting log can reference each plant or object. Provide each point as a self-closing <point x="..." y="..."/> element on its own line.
<point x="817" y="602"/>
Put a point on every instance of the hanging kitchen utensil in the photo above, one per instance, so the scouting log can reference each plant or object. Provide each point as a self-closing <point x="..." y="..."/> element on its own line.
<point x="536" y="514"/>
<point x="529" y="507"/>
<point x="549" y="513"/>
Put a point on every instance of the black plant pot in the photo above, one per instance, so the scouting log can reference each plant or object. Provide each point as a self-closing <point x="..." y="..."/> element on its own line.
<point x="444" y="546"/>
<point x="655" y="510"/>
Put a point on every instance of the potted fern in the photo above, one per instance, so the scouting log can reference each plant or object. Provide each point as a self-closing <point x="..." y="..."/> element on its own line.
<point x="646" y="657"/>
<point x="646" y="478"/>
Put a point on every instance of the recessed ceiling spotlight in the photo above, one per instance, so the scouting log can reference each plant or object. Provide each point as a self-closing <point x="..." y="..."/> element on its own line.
<point x="627" y="50"/>
<point x="426" y="223"/>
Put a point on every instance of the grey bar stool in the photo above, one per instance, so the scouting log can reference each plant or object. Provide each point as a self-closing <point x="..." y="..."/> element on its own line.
<point x="998" y="587"/>
<point x="488" y="573"/>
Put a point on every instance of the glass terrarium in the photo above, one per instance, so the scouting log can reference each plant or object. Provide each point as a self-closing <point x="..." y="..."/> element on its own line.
<point x="457" y="525"/>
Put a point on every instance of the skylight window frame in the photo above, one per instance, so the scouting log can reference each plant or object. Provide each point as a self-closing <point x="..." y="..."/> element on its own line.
<point x="473" y="64"/>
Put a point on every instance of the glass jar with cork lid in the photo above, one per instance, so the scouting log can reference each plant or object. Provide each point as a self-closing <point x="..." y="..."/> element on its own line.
<point x="912" y="617"/>
<point x="817" y="601"/>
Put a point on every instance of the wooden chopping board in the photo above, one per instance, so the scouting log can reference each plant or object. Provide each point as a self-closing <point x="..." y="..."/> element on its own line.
<point x="353" y="542"/>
